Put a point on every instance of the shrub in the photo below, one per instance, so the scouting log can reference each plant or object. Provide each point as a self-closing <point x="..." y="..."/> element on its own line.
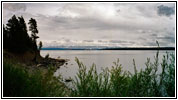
<point x="118" y="83"/>
<point x="18" y="82"/>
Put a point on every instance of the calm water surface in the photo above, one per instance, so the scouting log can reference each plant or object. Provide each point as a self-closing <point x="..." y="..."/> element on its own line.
<point x="102" y="59"/>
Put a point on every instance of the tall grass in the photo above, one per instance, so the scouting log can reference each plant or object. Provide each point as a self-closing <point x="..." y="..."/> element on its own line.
<point x="18" y="82"/>
<point x="118" y="83"/>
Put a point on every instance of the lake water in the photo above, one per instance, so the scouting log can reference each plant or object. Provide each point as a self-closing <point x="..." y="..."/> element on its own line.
<point x="102" y="59"/>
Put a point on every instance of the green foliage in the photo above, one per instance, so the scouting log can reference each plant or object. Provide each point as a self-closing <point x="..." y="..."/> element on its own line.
<point x="89" y="83"/>
<point x="118" y="83"/>
<point x="18" y="82"/>
<point x="117" y="76"/>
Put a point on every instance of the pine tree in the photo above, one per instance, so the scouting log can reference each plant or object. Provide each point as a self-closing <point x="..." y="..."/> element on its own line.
<point x="34" y="31"/>
<point x="16" y="38"/>
<point x="5" y="37"/>
<point x="33" y="28"/>
<point x="23" y="34"/>
<point x="40" y="45"/>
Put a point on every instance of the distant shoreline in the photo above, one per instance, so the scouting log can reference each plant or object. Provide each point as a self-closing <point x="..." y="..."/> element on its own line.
<point x="128" y="48"/>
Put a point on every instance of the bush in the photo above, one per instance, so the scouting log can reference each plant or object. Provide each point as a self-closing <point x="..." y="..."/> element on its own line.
<point x="18" y="82"/>
<point x="119" y="83"/>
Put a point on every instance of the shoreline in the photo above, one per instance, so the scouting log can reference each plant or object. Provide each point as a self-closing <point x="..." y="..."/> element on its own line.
<point x="26" y="60"/>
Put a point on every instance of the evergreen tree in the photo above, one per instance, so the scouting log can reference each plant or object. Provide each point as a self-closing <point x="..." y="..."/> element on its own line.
<point x="13" y="30"/>
<point x="34" y="31"/>
<point x="24" y="35"/>
<point x="5" y="37"/>
<point x="33" y="28"/>
<point x="15" y="36"/>
<point x="40" y="45"/>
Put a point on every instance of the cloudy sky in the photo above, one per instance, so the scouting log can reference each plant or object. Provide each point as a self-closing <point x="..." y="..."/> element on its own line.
<point x="99" y="24"/>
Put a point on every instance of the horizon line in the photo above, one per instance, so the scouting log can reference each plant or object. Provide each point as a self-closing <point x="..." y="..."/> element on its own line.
<point x="110" y="48"/>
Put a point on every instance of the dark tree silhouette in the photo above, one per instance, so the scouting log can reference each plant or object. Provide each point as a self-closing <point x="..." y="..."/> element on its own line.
<point x="5" y="37"/>
<point x="15" y="36"/>
<point x="33" y="28"/>
<point x="34" y="31"/>
<point x="14" y="31"/>
<point x="24" y="34"/>
<point x="40" y="45"/>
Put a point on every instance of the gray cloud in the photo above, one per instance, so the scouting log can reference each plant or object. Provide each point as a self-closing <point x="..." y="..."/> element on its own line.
<point x="88" y="41"/>
<point x="103" y="41"/>
<point x="155" y="35"/>
<point x="163" y="41"/>
<point x="117" y="41"/>
<point x="91" y="23"/>
<point x="137" y="24"/>
<point x="14" y="6"/>
<point x="165" y="10"/>
<point x="168" y="39"/>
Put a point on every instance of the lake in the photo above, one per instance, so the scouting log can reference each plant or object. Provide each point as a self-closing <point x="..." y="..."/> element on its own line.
<point x="102" y="59"/>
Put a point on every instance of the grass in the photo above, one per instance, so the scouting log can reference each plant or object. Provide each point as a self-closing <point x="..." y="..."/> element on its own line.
<point x="114" y="82"/>
<point x="18" y="82"/>
<point x="118" y="83"/>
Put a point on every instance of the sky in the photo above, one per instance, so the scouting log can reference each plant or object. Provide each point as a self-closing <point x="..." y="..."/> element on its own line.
<point x="99" y="24"/>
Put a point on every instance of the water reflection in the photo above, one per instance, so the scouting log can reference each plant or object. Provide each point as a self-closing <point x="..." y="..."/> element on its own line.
<point x="102" y="59"/>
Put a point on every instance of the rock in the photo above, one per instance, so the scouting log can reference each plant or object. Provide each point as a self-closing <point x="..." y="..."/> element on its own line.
<point x="39" y="65"/>
<point x="68" y="80"/>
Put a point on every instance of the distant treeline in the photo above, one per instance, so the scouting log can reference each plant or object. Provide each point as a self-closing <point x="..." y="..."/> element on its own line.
<point x="141" y="48"/>
<point x="15" y="35"/>
<point x="127" y="48"/>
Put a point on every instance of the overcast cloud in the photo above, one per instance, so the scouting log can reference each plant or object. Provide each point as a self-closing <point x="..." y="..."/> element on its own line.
<point x="99" y="24"/>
